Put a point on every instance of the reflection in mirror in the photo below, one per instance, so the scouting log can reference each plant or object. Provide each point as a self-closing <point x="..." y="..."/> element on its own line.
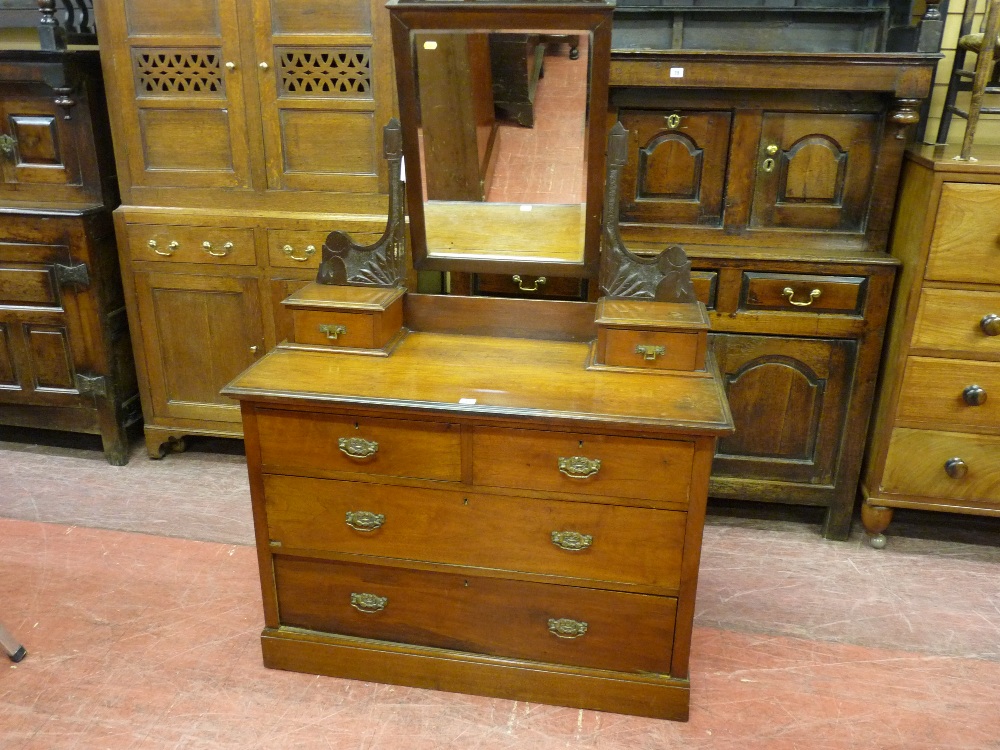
<point x="502" y="129"/>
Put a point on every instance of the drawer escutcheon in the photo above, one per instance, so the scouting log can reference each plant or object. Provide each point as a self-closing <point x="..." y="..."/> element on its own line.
<point x="356" y="447"/>
<point x="363" y="520"/>
<point x="567" y="628"/>
<point x="579" y="467"/>
<point x="368" y="603"/>
<point x="572" y="541"/>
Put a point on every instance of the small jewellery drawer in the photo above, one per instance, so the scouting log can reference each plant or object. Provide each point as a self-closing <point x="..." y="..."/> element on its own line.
<point x="966" y="241"/>
<point x="655" y="350"/>
<point x="530" y="285"/>
<point x="652" y="470"/>
<point x="799" y="293"/>
<point x="192" y="244"/>
<point x="580" y="540"/>
<point x="964" y="322"/>
<point x="934" y="464"/>
<point x="303" y="248"/>
<point x="543" y="622"/>
<point x="292" y="441"/>
<point x="951" y="393"/>
<point x="345" y="329"/>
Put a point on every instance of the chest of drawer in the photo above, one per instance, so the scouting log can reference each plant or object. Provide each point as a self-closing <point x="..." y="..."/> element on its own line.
<point x="955" y="320"/>
<point x="965" y="246"/>
<point x="305" y="442"/>
<point x="953" y="393"/>
<point x="181" y="244"/>
<point x="609" y="466"/>
<point x="542" y="622"/>
<point x="843" y="295"/>
<point x="630" y="546"/>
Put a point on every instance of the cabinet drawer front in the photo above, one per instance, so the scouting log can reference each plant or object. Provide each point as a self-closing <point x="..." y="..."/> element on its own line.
<point x="915" y="465"/>
<point x="632" y="348"/>
<point x="227" y="245"/>
<point x="598" y="542"/>
<point x="480" y="615"/>
<point x="966" y="241"/>
<point x="334" y="328"/>
<point x="952" y="320"/>
<point x="303" y="248"/>
<point x="654" y="470"/>
<point x="706" y="284"/>
<point x="799" y="293"/>
<point x="943" y="392"/>
<point x="530" y="285"/>
<point x="307" y="441"/>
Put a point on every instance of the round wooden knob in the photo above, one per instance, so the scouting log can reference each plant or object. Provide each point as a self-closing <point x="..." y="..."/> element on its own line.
<point x="990" y="324"/>
<point x="974" y="395"/>
<point x="956" y="468"/>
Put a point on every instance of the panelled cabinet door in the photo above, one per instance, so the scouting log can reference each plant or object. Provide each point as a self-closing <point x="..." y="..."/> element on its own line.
<point x="39" y="323"/>
<point x="186" y="121"/>
<point x="198" y="333"/>
<point x="789" y="399"/>
<point x="38" y="154"/>
<point x="318" y="80"/>
<point x="815" y="170"/>
<point x="676" y="166"/>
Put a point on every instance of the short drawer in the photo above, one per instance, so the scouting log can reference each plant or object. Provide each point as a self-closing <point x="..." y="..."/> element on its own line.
<point x="654" y="350"/>
<point x="303" y="248"/>
<point x="964" y="322"/>
<point x="363" y="330"/>
<point x="706" y="285"/>
<point x="530" y="285"/>
<point x="640" y="468"/>
<point x="844" y="295"/>
<point x="951" y="393"/>
<point x="296" y="441"/>
<point x="581" y="540"/>
<point x="948" y="465"/>
<point x="542" y="622"/>
<point x="965" y="245"/>
<point x="226" y="245"/>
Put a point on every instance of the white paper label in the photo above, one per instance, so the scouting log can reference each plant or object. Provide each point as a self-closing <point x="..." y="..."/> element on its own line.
<point x="677" y="72"/>
<point x="467" y="401"/>
<point x="430" y="44"/>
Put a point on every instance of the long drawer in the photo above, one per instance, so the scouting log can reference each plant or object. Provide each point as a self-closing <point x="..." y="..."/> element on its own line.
<point x="644" y="469"/>
<point x="303" y="442"/>
<point x="951" y="393"/>
<point x="225" y="245"/>
<point x="958" y="321"/>
<point x="584" y="540"/>
<point x="537" y="621"/>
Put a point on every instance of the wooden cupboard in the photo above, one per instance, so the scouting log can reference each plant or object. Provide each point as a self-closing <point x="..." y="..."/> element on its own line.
<point x="935" y="436"/>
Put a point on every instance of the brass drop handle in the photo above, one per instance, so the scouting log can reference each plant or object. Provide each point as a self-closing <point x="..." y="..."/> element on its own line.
<point x="990" y="324"/>
<point x="974" y="395"/>
<point x="539" y="282"/>
<point x="650" y="352"/>
<point x="207" y="247"/>
<point x="579" y="467"/>
<point x="956" y="468"/>
<point x="263" y="65"/>
<point x="567" y="628"/>
<point x="230" y="65"/>
<point x="571" y="541"/>
<point x="356" y="447"/>
<point x="364" y="520"/>
<point x="7" y="144"/>
<point x="171" y="248"/>
<point x="306" y="254"/>
<point x="332" y="331"/>
<point x="368" y="603"/>
<point x="789" y="292"/>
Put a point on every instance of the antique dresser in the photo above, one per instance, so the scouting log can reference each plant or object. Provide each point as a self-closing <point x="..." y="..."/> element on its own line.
<point x="65" y="356"/>
<point x="497" y="496"/>
<point x="936" y="435"/>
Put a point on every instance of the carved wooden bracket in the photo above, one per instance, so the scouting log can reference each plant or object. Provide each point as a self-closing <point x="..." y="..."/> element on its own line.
<point x="382" y="263"/>
<point x="665" y="277"/>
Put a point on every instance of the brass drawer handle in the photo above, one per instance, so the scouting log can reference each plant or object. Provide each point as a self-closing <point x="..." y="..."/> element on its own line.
<point x="356" y="447"/>
<point x="650" y="352"/>
<point x="207" y="247"/>
<point x="789" y="292"/>
<point x="539" y="282"/>
<point x="990" y="324"/>
<point x="363" y="520"/>
<point x="306" y="254"/>
<point x="332" y="331"/>
<point x="567" y="628"/>
<point x="974" y="395"/>
<point x="7" y="144"/>
<point x="171" y="248"/>
<point x="368" y="603"/>
<point x="579" y="467"/>
<point x="571" y="541"/>
<point x="956" y="468"/>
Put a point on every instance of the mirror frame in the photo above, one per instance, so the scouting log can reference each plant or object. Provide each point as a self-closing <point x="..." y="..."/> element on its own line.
<point x="593" y="17"/>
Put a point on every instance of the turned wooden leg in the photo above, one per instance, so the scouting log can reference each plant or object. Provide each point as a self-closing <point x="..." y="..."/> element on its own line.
<point x="876" y="518"/>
